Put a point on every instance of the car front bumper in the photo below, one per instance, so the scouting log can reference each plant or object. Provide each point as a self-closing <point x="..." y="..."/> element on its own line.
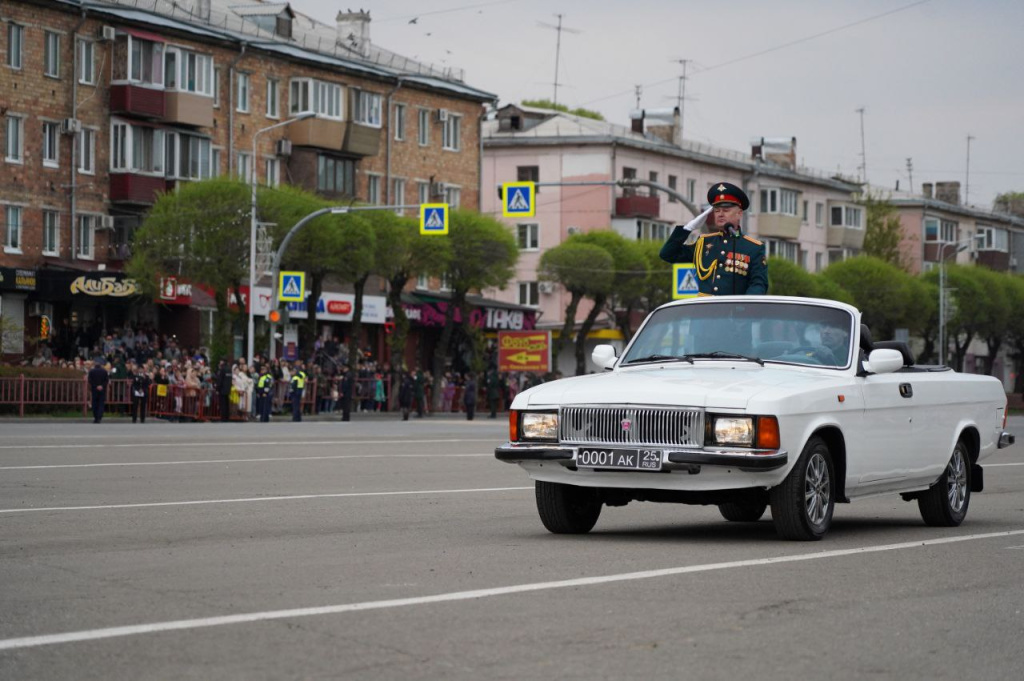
<point x="682" y="459"/>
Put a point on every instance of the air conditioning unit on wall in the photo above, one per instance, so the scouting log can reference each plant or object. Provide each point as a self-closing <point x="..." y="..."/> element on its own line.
<point x="442" y="115"/>
<point x="70" y="126"/>
<point x="106" y="222"/>
<point x="546" y="286"/>
<point x="108" y="33"/>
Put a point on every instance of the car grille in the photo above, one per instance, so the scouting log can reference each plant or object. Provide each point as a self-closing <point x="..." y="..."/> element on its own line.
<point x="631" y="426"/>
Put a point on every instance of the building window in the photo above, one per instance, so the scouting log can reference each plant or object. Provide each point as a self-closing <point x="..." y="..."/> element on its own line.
<point x="51" y="232"/>
<point x="51" y="54"/>
<point x="423" y="191"/>
<point x="788" y="250"/>
<point x="14" y="139"/>
<point x="216" y="87"/>
<point x="12" y="234"/>
<point x="453" y="197"/>
<point x="243" y="167"/>
<point x="528" y="174"/>
<point x="272" y="171"/>
<point x="451" y="133"/>
<point x="87" y="151"/>
<point x="673" y="181"/>
<point x="691" y="190"/>
<point x="847" y="216"/>
<point x="243" y="92"/>
<point x="398" y="194"/>
<point x="273" y="99"/>
<point x="373" y="190"/>
<point x="423" y="282"/>
<point x="819" y="214"/>
<point x="817" y="261"/>
<point x="803" y="215"/>
<point x="15" y="45"/>
<point x="335" y="175"/>
<point x="138" y="149"/>
<point x="215" y="161"/>
<point x="782" y="201"/>
<point x="446" y="282"/>
<point x="628" y="174"/>
<point x="51" y="145"/>
<point x="86" y="236"/>
<point x="528" y="293"/>
<point x="86" y="62"/>
<point x="653" y="177"/>
<point x="938" y="230"/>
<point x="145" y="61"/>
<point x="423" y="127"/>
<point x="529" y="237"/>
<point x="367" y="109"/>
<point x="647" y="230"/>
<point x="400" y="122"/>
<point x="189" y="71"/>
<point x="320" y="97"/>
<point x="992" y="239"/>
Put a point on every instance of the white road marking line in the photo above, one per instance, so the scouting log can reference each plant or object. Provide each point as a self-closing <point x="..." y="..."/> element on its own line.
<point x="997" y="465"/>
<point x="293" y="497"/>
<point x="267" y="459"/>
<point x="198" y="623"/>
<point x="290" y="443"/>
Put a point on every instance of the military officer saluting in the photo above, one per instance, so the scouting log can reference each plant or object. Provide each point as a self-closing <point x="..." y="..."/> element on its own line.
<point x="726" y="261"/>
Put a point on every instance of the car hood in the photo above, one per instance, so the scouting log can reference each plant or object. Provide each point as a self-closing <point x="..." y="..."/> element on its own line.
<point x="712" y="385"/>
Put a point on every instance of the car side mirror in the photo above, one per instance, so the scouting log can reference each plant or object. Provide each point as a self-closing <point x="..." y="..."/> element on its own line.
<point x="604" y="356"/>
<point x="884" y="361"/>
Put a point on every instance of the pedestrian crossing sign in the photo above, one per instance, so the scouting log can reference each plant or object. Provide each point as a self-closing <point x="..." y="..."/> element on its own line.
<point x="434" y="218"/>
<point x="519" y="199"/>
<point x="684" y="281"/>
<point x="292" y="287"/>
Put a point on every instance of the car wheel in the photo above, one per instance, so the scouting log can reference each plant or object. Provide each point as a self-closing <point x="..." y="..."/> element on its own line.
<point x="566" y="509"/>
<point x="748" y="512"/>
<point x="802" y="505"/>
<point x="945" y="503"/>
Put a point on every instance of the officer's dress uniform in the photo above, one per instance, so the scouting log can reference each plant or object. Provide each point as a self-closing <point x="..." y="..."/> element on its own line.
<point x="725" y="264"/>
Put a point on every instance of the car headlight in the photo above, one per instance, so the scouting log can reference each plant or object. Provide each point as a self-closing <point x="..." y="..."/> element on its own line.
<point x="539" y="426"/>
<point x="734" y="430"/>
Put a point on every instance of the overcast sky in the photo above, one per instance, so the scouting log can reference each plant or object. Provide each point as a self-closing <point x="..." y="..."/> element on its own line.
<point x="927" y="73"/>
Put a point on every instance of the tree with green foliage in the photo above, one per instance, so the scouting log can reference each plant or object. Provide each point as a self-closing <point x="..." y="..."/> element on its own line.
<point x="967" y="300"/>
<point x="881" y="291"/>
<point x="1010" y="202"/>
<point x="1015" y="328"/>
<point x="924" y="301"/>
<point x="657" y="286"/>
<point x="786" y="278"/>
<point x="483" y="255"/>
<point x="884" y="233"/>
<point x="993" y="323"/>
<point x="584" y="270"/>
<point x="200" y="233"/>
<point x="548" y="104"/>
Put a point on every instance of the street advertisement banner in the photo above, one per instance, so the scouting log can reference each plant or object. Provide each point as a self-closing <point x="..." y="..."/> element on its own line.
<point x="524" y="351"/>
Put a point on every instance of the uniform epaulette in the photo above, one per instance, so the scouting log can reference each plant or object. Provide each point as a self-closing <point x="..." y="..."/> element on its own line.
<point x="752" y="239"/>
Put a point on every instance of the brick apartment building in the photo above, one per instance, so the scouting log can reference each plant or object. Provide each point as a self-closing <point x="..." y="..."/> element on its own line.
<point x="106" y="104"/>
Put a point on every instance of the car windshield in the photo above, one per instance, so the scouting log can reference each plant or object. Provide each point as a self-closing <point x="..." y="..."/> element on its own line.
<point x="795" y="333"/>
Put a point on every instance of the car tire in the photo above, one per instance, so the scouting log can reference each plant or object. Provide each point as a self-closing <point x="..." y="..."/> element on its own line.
<point x="802" y="505"/>
<point x="742" y="512"/>
<point x="945" y="503"/>
<point x="567" y="509"/>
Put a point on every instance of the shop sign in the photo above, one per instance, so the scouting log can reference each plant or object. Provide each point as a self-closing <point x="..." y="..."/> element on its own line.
<point x="174" y="292"/>
<point x="104" y="286"/>
<point x="491" y="318"/>
<point x="13" y="279"/>
<point x="524" y="351"/>
<point x="332" y="307"/>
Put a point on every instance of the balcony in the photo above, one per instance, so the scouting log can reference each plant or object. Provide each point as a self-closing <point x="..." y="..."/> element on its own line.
<point x="138" y="101"/>
<point x="637" y="206"/>
<point x="187" y="108"/>
<point x="994" y="260"/>
<point x="361" y="140"/>
<point x="845" y="237"/>
<point x="778" y="226"/>
<point x="317" y="132"/>
<point x="135" y="188"/>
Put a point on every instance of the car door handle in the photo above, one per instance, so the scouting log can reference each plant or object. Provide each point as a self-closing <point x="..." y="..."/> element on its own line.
<point x="906" y="390"/>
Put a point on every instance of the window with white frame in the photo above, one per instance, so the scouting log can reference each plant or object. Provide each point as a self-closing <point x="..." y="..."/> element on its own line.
<point x="817" y="262"/>
<point x="423" y="282"/>
<point x="423" y="192"/>
<point x="51" y="54"/>
<point x="86" y="236"/>
<point x="804" y="213"/>
<point x="529" y="294"/>
<point x="216" y="87"/>
<point x="14" y="139"/>
<point x="423" y="127"/>
<point x="691" y="190"/>
<point x="243" y="167"/>
<point x="445" y="283"/>
<point x="782" y="201"/>
<point x="398" y="193"/>
<point x="653" y="177"/>
<point x="373" y="190"/>
<point x="819" y="214"/>
<point x="86" y="141"/>
<point x="936" y="229"/>
<point x="189" y="71"/>
<point x="273" y="98"/>
<point x="12" y="233"/>
<point x="335" y="175"/>
<point x="400" y="122"/>
<point x="528" y="236"/>
<point x="451" y="133"/>
<point x="847" y="216"/>
<point x="242" y="81"/>
<point x="216" y="157"/>
<point x="787" y="250"/>
<point x="316" y="96"/>
<point x="649" y="230"/>
<point x="15" y="44"/>
<point x="453" y="197"/>
<point x="272" y="170"/>
<point x="51" y="144"/>
<point x="145" y="61"/>
<point x="993" y="239"/>
<point x="139" y="149"/>
<point x="86" y="62"/>
<point x="367" y="108"/>
<point x="672" y="182"/>
<point x="51" y="232"/>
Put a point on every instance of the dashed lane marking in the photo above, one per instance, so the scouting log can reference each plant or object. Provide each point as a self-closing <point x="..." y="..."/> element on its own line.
<point x="268" y="459"/>
<point x="261" y="443"/>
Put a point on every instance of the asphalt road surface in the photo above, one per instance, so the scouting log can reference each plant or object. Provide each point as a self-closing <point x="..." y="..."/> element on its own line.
<point x="379" y="549"/>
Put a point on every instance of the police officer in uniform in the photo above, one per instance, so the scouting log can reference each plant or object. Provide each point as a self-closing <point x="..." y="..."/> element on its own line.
<point x="264" y="385"/>
<point x="726" y="261"/>
<point x="298" y="386"/>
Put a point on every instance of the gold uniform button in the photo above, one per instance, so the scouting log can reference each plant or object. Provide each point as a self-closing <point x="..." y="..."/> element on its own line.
<point x="715" y="289"/>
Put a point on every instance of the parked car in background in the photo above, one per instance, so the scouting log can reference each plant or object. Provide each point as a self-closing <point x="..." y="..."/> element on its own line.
<point x="756" y="402"/>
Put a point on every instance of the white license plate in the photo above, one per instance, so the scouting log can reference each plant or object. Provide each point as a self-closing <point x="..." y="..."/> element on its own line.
<point x="619" y="459"/>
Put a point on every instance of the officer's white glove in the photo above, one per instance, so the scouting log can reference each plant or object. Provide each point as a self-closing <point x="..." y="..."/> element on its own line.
<point x="695" y="225"/>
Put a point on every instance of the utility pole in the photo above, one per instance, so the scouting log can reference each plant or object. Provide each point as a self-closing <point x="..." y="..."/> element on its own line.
<point x="638" y="90"/>
<point x="910" y="173"/>
<point x="863" y="155"/>
<point x="558" y="46"/>
<point x="967" y="183"/>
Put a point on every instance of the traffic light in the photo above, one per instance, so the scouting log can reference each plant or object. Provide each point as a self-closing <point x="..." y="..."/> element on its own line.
<point x="279" y="316"/>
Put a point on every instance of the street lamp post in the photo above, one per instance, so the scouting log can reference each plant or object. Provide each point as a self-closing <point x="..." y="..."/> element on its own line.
<point x="960" y="245"/>
<point x="252" y="229"/>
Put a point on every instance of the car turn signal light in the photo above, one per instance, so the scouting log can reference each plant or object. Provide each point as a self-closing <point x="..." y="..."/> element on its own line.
<point x="513" y="425"/>
<point x="768" y="433"/>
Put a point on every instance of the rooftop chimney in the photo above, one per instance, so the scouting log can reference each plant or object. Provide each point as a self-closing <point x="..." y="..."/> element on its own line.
<point x="948" y="192"/>
<point x="778" y="150"/>
<point x="671" y="133"/>
<point x="926" y="189"/>
<point x="354" y="31"/>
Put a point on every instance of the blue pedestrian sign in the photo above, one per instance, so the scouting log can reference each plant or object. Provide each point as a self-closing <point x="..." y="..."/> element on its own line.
<point x="684" y="281"/>
<point x="519" y="199"/>
<point x="434" y="218"/>
<point x="292" y="287"/>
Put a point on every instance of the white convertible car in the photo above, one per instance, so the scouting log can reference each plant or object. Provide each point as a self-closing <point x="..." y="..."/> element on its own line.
<point x="756" y="401"/>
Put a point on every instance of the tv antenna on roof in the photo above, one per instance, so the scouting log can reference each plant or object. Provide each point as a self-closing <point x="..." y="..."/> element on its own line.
<point x="558" y="45"/>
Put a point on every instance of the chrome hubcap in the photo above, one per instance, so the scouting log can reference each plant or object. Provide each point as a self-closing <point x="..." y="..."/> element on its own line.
<point x="956" y="481"/>
<point x="816" y="489"/>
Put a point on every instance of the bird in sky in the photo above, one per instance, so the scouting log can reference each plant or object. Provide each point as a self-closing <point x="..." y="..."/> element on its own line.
<point x="414" y="20"/>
